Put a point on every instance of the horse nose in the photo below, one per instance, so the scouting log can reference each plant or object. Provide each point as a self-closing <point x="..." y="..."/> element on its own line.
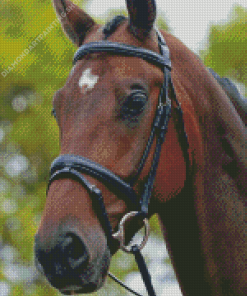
<point x="68" y="256"/>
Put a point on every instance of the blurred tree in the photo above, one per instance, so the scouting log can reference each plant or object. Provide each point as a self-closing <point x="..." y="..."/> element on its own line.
<point x="162" y="22"/>
<point x="227" y="43"/>
<point x="35" y="59"/>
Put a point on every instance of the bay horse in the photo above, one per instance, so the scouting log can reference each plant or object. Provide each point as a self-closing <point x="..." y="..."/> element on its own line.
<point x="106" y="112"/>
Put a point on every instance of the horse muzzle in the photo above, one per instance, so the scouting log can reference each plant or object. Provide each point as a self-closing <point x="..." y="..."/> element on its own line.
<point x="66" y="264"/>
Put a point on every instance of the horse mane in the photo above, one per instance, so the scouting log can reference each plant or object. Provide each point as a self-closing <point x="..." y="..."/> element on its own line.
<point x="112" y="25"/>
<point x="239" y="102"/>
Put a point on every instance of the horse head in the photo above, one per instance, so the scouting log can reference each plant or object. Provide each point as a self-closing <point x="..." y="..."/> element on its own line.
<point x="105" y="113"/>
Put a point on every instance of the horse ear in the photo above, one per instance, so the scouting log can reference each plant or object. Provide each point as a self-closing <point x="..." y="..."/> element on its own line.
<point x="74" y="21"/>
<point x="142" y="14"/>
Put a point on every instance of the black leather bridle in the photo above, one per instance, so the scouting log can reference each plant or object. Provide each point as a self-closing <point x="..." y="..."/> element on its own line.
<point x="75" y="167"/>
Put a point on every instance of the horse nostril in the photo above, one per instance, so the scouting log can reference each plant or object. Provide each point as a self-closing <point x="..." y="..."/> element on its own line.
<point x="68" y="255"/>
<point x="74" y="250"/>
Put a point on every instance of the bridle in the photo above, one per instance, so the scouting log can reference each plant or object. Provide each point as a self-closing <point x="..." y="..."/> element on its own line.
<point x="74" y="166"/>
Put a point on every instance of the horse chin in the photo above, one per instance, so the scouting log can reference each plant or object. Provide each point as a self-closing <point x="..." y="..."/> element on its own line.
<point x="92" y="279"/>
<point x="90" y="287"/>
<point x="74" y="289"/>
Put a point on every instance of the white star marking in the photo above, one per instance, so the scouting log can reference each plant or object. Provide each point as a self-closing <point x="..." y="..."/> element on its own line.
<point x="87" y="80"/>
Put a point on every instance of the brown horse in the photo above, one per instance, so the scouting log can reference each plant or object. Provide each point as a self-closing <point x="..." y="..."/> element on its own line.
<point x="105" y="113"/>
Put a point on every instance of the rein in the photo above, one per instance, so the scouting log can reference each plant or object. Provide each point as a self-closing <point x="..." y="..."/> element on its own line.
<point x="74" y="166"/>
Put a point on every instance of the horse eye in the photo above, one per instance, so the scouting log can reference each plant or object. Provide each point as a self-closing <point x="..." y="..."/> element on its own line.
<point x="134" y="104"/>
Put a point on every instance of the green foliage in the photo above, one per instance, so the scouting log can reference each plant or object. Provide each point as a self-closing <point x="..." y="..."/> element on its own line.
<point x="34" y="67"/>
<point x="226" y="52"/>
<point x="162" y="23"/>
<point x="111" y="13"/>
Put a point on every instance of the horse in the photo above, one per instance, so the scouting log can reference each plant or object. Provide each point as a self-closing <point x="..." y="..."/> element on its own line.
<point x="106" y="111"/>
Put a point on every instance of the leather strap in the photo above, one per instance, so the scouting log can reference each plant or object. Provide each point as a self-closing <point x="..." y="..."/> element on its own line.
<point x="86" y="166"/>
<point x="126" y="50"/>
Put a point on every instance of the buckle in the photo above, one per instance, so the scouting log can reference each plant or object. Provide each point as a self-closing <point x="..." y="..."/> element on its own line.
<point x="163" y="115"/>
<point x="120" y="234"/>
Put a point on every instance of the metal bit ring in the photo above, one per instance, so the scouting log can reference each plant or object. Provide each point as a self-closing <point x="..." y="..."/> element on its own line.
<point x="120" y="234"/>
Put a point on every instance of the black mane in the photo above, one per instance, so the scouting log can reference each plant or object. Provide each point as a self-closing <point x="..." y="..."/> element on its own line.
<point x="112" y="25"/>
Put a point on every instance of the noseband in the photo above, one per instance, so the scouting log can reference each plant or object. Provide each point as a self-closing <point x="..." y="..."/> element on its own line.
<point x="75" y="167"/>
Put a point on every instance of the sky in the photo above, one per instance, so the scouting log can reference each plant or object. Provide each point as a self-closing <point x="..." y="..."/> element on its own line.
<point x="189" y="20"/>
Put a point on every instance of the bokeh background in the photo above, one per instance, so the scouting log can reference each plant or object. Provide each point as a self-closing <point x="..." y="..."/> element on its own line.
<point x="35" y="59"/>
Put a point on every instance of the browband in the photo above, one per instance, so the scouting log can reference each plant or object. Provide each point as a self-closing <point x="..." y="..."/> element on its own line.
<point x="126" y="50"/>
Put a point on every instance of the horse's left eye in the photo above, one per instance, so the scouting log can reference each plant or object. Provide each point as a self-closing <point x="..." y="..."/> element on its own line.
<point x="134" y="104"/>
